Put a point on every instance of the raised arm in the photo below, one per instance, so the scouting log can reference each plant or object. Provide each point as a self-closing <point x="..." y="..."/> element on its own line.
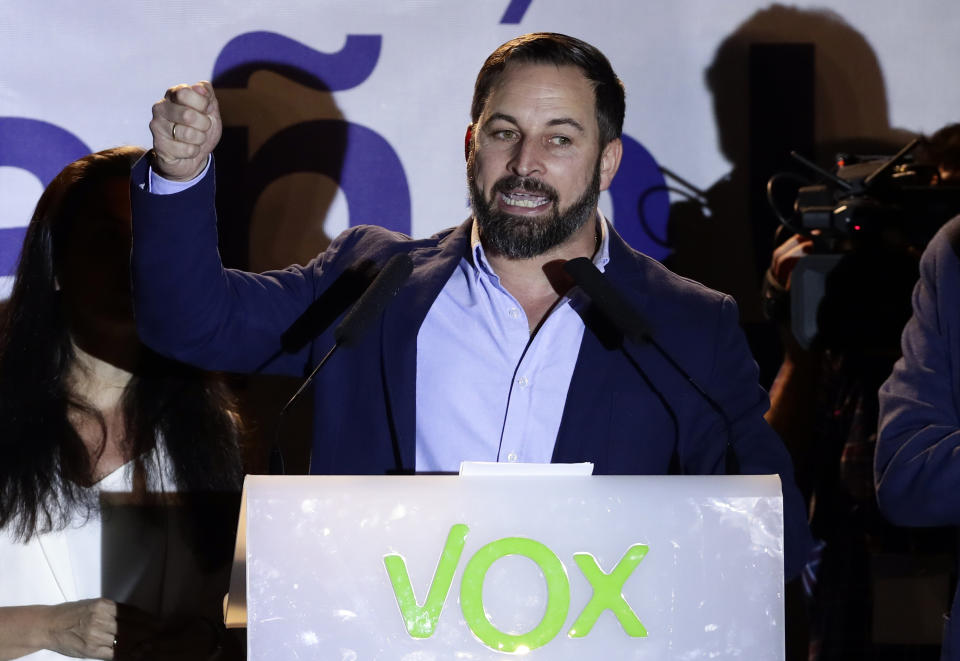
<point x="187" y="305"/>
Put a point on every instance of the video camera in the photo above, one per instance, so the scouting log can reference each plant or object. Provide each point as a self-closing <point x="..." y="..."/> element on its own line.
<point x="865" y="220"/>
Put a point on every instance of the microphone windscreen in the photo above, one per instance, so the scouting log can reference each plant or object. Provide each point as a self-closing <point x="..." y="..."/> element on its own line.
<point x="328" y="306"/>
<point x="374" y="300"/>
<point x="611" y="303"/>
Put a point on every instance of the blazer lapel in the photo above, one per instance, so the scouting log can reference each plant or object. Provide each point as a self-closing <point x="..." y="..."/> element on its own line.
<point x="588" y="409"/>
<point x="432" y="267"/>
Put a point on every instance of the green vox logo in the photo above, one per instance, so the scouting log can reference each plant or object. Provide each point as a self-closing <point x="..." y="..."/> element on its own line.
<point x="421" y="620"/>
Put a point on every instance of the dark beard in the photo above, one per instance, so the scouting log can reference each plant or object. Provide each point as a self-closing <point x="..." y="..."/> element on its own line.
<point x="522" y="237"/>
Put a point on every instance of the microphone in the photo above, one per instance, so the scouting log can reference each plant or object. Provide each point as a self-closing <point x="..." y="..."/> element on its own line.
<point x="350" y="329"/>
<point x="611" y="303"/>
<point x="328" y="306"/>
<point x="624" y="316"/>
<point x="373" y="302"/>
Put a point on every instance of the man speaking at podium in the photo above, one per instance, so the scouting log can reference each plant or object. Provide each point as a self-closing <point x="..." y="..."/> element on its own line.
<point x="489" y="350"/>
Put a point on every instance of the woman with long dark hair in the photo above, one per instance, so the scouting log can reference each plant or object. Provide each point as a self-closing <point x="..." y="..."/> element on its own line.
<point x="86" y="412"/>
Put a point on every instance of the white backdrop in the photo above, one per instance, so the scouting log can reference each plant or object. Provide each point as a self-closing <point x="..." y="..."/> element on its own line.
<point x="94" y="70"/>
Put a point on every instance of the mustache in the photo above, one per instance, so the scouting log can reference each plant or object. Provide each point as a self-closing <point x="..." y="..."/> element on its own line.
<point x="526" y="184"/>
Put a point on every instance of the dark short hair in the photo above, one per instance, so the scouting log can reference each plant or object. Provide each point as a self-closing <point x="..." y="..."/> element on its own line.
<point x="561" y="50"/>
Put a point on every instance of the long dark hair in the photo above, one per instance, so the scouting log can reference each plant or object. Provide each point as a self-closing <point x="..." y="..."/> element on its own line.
<point x="44" y="464"/>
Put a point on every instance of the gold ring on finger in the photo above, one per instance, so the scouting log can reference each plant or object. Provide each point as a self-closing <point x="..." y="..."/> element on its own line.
<point x="173" y="131"/>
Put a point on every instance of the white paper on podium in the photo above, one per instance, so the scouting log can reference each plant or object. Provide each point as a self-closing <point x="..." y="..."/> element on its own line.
<point x="709" y="586"/>
<point x="488" y="468"/>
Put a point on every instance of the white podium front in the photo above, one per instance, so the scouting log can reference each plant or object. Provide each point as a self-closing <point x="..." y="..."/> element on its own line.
<point x="420" y="568"/>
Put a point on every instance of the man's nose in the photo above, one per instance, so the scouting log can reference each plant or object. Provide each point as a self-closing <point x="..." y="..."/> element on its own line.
<point x="527" y="159"/>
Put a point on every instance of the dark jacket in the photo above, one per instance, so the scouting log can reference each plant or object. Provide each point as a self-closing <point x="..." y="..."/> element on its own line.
<point x="627" y="412"/>
<point x="917" y="466"/>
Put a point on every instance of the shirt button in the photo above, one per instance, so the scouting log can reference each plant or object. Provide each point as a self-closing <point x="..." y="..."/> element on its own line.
<point x="512" y="457"/>
<point x="523" y="382"/>
<point x="514" y="313"/>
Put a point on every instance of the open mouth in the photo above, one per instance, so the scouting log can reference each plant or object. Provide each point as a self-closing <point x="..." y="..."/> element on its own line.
<point x="522" y="201"/>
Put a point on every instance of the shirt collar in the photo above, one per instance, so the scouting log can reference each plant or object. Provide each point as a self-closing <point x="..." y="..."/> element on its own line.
<point x="480" y="265"/>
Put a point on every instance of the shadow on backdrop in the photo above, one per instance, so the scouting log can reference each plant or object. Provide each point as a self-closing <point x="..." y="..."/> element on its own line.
<point x="805" y="80"/>
<point x="785" y="79"/>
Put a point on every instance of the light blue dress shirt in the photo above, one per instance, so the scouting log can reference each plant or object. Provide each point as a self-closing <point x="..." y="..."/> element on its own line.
<point x="486" y="389"/>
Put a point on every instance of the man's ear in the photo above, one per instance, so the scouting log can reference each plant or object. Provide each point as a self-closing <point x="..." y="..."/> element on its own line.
<point x="466" y="142"/>
<point x="610" y="162"/>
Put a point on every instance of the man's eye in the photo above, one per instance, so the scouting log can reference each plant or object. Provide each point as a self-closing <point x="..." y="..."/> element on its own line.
<point x="505" y="134"/>
<point x="560" y="140"/>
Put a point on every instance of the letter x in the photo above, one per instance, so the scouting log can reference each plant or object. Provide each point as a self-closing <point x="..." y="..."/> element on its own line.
<point x="607" y="593"/>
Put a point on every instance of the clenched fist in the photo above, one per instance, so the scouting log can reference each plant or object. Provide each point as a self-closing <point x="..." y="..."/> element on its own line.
<point x="186" y="126"/>
<point x="85" y="628"/>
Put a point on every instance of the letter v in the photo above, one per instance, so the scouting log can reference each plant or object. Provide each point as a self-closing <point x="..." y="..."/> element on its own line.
<point x="421" y="621"/>
<point x="607" y="593"/>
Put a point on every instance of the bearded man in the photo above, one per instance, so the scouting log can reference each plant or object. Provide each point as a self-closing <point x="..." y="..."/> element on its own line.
<point x="488" y="353"/>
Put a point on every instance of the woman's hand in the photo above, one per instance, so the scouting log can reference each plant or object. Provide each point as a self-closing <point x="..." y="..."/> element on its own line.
<point x="786" y="256"/>
<point x="84" y="629"/>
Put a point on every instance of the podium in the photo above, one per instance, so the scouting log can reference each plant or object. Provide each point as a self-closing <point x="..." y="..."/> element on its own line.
<point x="416" y="568"/>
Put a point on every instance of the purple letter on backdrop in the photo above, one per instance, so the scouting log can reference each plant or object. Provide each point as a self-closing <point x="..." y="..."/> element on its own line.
<point x="360" y="160"/>
<point x="42" y="149"/>
<point x="515" y="11"/>
<point x="641" y="204"/>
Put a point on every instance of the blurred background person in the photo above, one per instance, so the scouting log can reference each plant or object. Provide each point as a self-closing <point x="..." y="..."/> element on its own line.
<point x="119" y="469"/>
<point x="916" y="467"/>
<point x="824" y="405"/>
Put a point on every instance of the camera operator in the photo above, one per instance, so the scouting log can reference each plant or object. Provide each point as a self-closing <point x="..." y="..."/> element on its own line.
<point x="917" y="463"/>
<point x="824" y="405"/>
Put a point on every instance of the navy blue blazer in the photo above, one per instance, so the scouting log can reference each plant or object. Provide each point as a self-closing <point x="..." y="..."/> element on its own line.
<point x="627" y="412"/>
<point x="917" y="466"/>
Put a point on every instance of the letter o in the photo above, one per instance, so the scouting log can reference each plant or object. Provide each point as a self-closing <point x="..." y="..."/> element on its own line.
<point x="558" y="594"/>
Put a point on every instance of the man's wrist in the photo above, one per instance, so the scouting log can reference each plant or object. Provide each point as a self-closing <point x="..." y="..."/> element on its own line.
<point x="160" y="185"/>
